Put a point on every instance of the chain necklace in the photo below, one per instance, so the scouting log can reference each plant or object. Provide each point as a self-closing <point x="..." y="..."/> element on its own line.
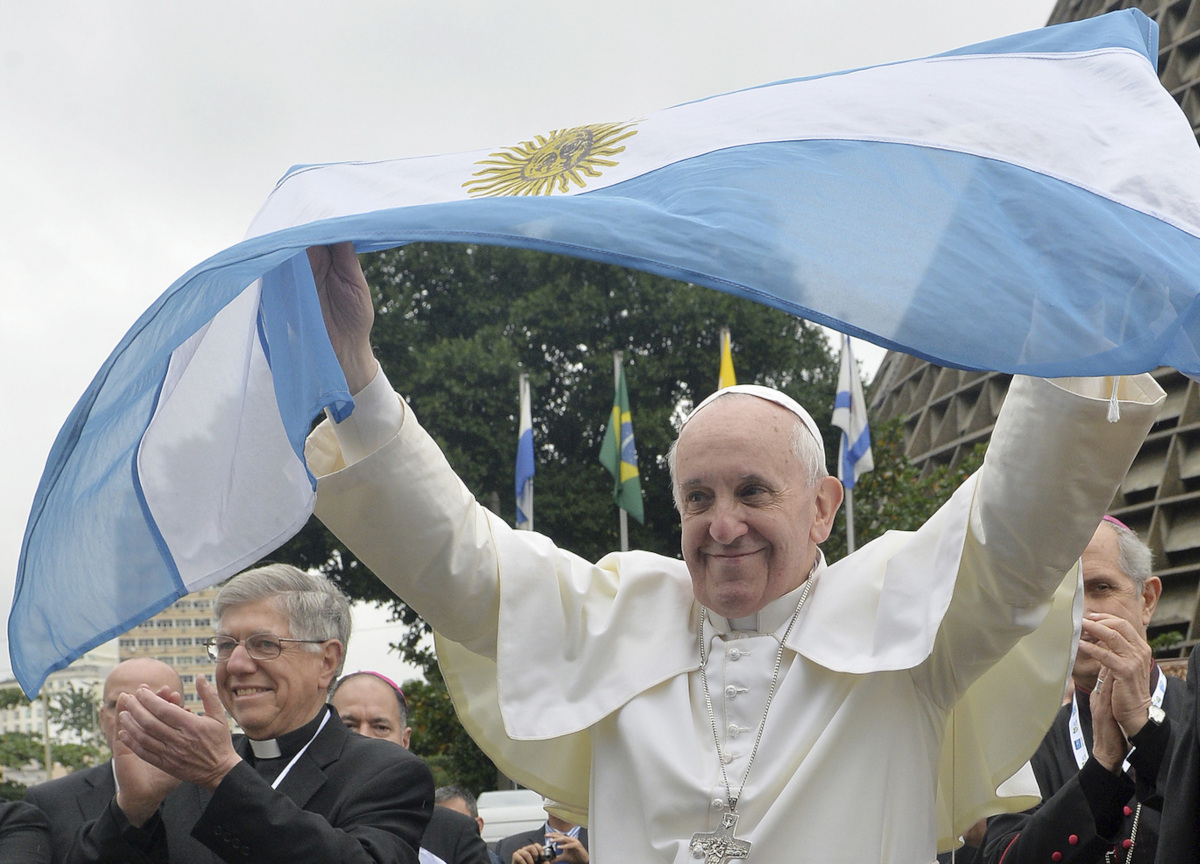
<point x="717" y="847"/>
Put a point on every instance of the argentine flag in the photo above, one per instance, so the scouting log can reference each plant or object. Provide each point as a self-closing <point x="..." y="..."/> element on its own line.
<point x="1029" y="205"/>
<point x="850" y="415"/>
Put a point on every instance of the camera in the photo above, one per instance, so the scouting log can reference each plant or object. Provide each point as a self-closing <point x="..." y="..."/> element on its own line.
<point x="550" y="850"/>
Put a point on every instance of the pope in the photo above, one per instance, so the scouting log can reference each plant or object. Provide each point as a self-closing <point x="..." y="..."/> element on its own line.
<point x="750" y="700"/>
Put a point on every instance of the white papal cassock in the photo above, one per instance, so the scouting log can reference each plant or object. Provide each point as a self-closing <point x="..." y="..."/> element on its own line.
<point x="581" y="680"/>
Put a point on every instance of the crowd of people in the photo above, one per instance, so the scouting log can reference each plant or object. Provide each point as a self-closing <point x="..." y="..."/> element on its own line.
<point x="749" y="701"/>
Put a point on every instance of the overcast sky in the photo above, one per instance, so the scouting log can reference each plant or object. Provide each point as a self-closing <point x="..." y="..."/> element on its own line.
<point x="138" y="138"/>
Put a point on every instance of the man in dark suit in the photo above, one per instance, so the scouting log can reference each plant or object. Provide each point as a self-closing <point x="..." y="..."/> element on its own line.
<point x="374" y="705"/>
<point x="528" y="847"/>
<point x="298" y="786"/>
<point x="1100" y="765"/>
<point x="24" y="834"/>
<point x="71" y="801"/>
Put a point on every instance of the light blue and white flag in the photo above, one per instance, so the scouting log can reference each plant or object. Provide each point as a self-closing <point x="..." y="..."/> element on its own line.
<point x="850" y="415"/>
<point x="1030" y="204"/>
<point x="525" y="466"/>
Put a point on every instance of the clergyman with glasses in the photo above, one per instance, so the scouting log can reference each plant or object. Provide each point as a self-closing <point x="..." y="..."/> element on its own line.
<point x="297" y="786"/>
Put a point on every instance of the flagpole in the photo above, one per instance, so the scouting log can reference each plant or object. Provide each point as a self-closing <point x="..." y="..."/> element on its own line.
<point x="849" y="521"/>
<point x="622" y="515"/>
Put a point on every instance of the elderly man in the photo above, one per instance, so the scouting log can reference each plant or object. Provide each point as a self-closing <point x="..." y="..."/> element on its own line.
<point x="298" y="786"/>
<point x="748" y="700"/>
<point x="373" y="705"/>
<point x="1099" y="764"/>
<point x="71" y="802"/>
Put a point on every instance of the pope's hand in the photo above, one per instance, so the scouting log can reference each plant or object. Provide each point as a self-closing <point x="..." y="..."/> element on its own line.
<point x="348" y="310"/>
<point x="184" y="745"/>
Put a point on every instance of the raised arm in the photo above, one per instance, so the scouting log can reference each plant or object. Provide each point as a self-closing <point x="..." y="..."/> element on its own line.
<point x="348" y="308"/>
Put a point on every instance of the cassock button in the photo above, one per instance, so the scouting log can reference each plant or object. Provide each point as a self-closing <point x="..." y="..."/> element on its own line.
<point x="718" y="804"/>
<point x="735" y="654"/>
<point x="1128" y="810"/>
<point x="1126" y="843"/>
<point x="1057" y="856"/>
<point x="1073" y="839"/>
<point x="730" y="692"/>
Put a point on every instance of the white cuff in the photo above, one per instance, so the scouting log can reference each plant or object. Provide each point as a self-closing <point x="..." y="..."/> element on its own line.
<point x="377" y="417"/>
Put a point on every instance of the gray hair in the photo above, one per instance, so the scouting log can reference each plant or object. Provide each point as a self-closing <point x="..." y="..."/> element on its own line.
<point x="1134" y="557"/>
<point x="804" y="446"/>
<point x="449" y="793"/>
<point x="314" y="606"/>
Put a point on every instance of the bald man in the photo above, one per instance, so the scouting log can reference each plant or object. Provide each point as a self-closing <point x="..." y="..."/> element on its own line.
<point x="373" y="705"/>
<point x="71" y="802"/>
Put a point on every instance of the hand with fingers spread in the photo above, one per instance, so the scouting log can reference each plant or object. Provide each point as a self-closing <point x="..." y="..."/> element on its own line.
<point x="347" y="308"/>
<point x="164" y="734"/>
<point x="1126" y="660"/>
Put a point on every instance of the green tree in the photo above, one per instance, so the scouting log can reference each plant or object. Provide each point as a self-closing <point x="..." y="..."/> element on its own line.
<point x="75" y="711"/>
<point x="439" y="739"/>
<point x="12" y="697"/>
<point x="895" y="495"/>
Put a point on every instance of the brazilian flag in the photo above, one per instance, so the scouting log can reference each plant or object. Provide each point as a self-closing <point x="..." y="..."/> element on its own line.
<point x="619" y="455"/>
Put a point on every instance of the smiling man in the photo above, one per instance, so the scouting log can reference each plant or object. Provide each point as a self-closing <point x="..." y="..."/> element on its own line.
<point x="297" y="786"/>
<point x="735" y="703"/>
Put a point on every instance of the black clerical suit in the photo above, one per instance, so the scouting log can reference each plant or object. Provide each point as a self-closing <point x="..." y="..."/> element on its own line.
<point x="510" y="844"/>
<point x="454" y="837"/>
<point x="1087" y="812"/>
<point x="70" y="802"/>
<point x="346" y="799"/>
<point x="1179" y="842"/>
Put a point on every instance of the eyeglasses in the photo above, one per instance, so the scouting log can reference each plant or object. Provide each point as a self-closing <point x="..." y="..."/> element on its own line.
<point x="260" y="646"/>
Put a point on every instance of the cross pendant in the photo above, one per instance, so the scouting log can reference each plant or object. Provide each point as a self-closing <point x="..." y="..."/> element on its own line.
<point x="720" y="846"/>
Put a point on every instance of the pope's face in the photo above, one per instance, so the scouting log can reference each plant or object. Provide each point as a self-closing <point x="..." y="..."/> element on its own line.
<point x="1107" y="589"/>
<point x="369" y="707"/>
<point x="750" y="520"/>
<point x="270" y="697"/>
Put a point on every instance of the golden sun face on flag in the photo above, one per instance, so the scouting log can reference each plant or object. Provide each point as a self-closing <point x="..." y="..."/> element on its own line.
<point x="550" y="163"/>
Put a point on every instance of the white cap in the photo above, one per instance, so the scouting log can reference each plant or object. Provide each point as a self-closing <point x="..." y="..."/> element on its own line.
<point x="771" y="395"/>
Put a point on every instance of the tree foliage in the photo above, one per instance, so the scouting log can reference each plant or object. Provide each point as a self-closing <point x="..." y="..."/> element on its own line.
<point x="75" y="711"/>
<point x="895" y="496"/>
<point x="12" y="697"/>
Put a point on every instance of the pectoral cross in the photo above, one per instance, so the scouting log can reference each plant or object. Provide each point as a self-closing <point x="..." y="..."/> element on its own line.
<point x="720" y="846"/>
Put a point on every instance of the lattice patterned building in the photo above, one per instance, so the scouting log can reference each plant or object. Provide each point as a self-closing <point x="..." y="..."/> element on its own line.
<point x="175" y="636"/>
<point x="947" y="412"/>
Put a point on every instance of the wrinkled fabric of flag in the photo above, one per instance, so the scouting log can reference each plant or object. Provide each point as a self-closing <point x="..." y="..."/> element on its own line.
<point x="1028" y="205"/>
<point x="850" y="415"/>
<point x="525" y="465"/>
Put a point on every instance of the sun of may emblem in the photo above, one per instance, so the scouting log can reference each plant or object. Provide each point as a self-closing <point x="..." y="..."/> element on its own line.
<point x="550" y="163"/>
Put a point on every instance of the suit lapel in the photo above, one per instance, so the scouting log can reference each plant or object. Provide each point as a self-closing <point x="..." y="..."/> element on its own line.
<point x="100" y="790"/>
<point x="308" y="774"/>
